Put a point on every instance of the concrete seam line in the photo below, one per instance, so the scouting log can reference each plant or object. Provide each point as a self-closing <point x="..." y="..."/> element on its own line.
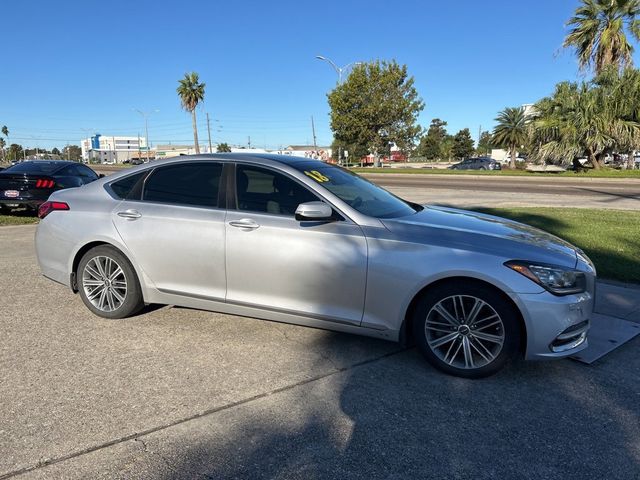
<point x="135" y="436"/>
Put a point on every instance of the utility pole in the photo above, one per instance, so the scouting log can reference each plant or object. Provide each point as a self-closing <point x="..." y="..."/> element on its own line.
<point x="249" y="140"/>
<point x="479" y="135"/>
<point x="209" y="130"/>
<point x="313" y="130"/>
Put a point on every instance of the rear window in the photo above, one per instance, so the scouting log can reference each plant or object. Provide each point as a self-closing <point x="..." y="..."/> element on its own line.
<point x="124" y="187"/>
<point x="43" y="168"/>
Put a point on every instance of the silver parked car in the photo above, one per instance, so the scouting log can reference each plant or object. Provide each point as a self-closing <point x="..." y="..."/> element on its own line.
<point x="300" y="241"/>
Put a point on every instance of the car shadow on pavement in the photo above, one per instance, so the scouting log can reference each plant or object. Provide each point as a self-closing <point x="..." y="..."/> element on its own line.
<point x="396" y="417"/>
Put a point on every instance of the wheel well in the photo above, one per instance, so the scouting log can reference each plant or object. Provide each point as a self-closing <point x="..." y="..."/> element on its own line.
<point x="406" y="332"/>
<point x="79" y="255"/>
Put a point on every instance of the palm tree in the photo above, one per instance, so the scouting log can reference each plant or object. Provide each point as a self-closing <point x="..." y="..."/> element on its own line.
<point x="511" y="132"/>
<point x="191" y="93"/>
<point x="2" y="145"/>
<point x="598" y="33"/>
<point x="586" y="119"/>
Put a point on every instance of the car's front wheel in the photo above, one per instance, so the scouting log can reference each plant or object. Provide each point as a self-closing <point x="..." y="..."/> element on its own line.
<point x="469" y="330"/>
<point x="108" y="283"/>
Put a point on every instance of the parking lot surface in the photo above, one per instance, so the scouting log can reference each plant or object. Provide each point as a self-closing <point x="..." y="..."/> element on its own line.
<point x="180" y="393"/>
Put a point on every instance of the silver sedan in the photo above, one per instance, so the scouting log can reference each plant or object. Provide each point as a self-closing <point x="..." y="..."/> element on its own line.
<point x="300" y="241"/>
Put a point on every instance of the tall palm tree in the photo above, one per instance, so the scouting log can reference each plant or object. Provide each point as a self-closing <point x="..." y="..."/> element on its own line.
<point x="5" y="132"/>
<point x="599" y="33"/>
<point x="511" y="132"/>
<point x="2" y="145"/>
<point x="191" y="93"/>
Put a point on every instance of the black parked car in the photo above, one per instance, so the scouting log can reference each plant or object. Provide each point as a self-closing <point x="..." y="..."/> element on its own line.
<point x="29" y="184"/>
<point x="481" y="163"/>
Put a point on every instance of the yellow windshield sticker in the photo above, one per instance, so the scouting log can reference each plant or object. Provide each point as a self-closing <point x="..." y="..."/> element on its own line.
<point x="317" y="176"/>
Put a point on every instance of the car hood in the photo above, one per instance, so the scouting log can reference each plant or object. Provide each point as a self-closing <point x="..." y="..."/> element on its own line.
<point x="483" y="233"/>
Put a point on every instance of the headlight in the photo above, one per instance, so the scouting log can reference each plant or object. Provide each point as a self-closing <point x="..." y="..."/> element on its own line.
<point x="557" y="280"/>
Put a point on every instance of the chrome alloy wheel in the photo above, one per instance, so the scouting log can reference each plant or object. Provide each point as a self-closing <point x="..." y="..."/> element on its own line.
<point x="104" y="283"/>
<point x="464" y="331"/>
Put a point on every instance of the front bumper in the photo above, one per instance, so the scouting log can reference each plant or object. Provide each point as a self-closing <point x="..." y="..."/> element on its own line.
<point x="556" y="326"/>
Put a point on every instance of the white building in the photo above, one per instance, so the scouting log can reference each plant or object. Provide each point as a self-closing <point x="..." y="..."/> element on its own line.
<point x="112" y="149"/>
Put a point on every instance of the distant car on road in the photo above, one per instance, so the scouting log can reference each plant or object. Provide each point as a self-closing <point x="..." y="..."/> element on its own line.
<point x="301" y="241"/>
<point x="137" y="161"/>
<point x="480" y="163"/>
<point x="29" y="184"/>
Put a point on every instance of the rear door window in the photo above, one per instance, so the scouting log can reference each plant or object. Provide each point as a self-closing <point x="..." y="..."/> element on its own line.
<point x="196" y="184"/>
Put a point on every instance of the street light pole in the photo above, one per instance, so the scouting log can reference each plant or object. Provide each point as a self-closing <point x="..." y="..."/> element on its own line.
<point x="146" y="128"/>
<point x="339" y="71"/>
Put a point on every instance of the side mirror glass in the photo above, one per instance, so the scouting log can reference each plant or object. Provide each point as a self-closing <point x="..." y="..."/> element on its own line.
<point x="314" y="211"/>
<point x="101" y="175"/>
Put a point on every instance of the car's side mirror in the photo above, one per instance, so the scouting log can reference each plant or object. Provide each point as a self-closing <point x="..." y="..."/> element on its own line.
<point x="314" y="211"/>
<point x="101" y="175"/>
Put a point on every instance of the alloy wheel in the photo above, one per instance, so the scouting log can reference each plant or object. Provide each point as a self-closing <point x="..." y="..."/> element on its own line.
<point x="104" y="283"/>
<point x="464" y="331"/>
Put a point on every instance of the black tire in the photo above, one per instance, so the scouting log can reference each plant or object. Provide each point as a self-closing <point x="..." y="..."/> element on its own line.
<point x="493" y="356"/>
<point x="119" y="301"/>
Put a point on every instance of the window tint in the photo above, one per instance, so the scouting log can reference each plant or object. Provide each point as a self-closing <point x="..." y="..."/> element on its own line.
<point x="360" y="194"/>
<point x="262" y="190"/>
<point x="87" y="172"/>
<point x="70" y="171"/>
<point x="190" y="184"/>
<point x="44" y="168"/>
<point x="123" y="187"/>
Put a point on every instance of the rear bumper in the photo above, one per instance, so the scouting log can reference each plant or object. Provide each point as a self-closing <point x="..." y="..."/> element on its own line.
<point x="22" y="202"/>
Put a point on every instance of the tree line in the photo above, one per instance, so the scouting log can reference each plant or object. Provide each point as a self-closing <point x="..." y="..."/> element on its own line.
<point x="377" y="106"/>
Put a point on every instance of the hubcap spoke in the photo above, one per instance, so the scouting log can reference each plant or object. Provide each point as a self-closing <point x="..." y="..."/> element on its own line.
<point x="446" y="315"/>
<point x="443" y="340"/>
<point x="488" y="337"/>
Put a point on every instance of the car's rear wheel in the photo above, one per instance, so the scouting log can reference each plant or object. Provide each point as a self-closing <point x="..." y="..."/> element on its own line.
<point x="469" y="331"/>
<point x="108" y="283"/>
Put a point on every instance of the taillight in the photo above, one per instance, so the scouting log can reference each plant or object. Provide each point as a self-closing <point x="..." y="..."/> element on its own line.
<point x="42" y="183"/>
<point x="47" y="207"/>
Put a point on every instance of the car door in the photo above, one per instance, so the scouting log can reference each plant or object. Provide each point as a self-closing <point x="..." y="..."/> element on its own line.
<point x="316" y="269"/>
<point x="174" y="227"/>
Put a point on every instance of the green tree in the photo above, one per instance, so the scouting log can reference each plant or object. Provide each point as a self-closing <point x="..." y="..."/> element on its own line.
<point x="511" y="132"/>
<point x="55" y="151"/>
<point x="377" y="105"/>
<point x="15" y="151"/>
<point x="223" y="147"/>
<point x="485" y="143"/>
<point x="447" y="148"/>
<point x="430" y="145"/>
<point x="599" y="33"/>
<point x="72" y="152"/>
<point x="191" y="93"/>
<point x="462" y="144"/>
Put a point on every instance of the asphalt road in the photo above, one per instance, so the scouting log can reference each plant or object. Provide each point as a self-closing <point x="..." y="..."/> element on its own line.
<point x="483" y="190"/>
<point x="179" y="393"/>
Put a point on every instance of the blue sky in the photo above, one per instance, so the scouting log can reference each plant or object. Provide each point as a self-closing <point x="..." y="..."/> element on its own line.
<point x="74" y="67"/>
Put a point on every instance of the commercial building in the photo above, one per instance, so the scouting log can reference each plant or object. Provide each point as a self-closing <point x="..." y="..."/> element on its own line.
<point x="112" y="149"/>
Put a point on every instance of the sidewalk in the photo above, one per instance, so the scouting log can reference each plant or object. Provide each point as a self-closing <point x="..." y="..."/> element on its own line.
<point x="615" y="321"/>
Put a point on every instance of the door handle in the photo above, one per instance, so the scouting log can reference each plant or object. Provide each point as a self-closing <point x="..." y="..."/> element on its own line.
<point x="130" y="214"/>
<point x="244" y="223"/>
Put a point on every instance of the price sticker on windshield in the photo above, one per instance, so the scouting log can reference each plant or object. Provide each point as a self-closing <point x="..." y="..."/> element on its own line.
<point x="317" y="176"/>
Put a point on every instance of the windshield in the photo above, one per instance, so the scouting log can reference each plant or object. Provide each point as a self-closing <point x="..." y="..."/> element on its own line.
<point x="43" y="168"/>
<point x="362" y="195"/>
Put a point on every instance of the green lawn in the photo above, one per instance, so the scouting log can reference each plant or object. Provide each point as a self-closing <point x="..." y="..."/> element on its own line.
<point x="604" y="173"/>
<point x="18" y="218"/>
<point x="611" y="238"/>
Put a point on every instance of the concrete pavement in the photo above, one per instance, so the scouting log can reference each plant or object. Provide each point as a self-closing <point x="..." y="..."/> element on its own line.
<point x="179" y="393"/>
